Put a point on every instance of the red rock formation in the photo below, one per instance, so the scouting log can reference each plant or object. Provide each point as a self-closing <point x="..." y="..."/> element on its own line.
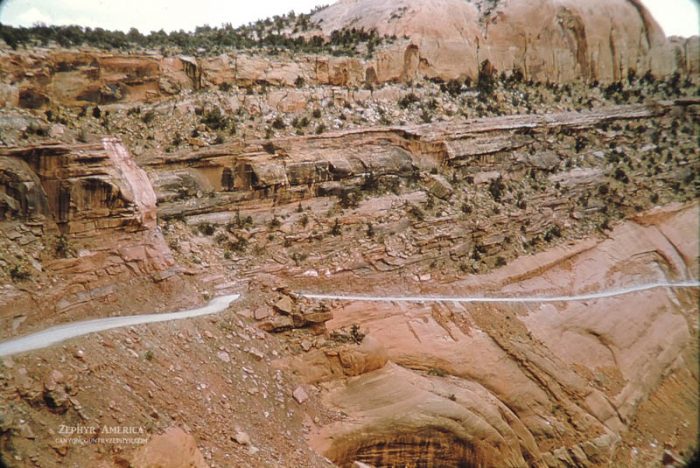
<point x="89" y="202"/>
<point x="548" y="40"/>
<point x="503" y="381"/>
<point x="173" y="449"/>
<point x="558" y="41"/>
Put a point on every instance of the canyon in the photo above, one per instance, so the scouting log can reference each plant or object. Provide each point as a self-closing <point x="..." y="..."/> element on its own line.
<point x="351" y="222"/>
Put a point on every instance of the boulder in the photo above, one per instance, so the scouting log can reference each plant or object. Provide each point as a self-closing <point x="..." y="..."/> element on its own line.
<point x="172" y="449"/>
<point x="438" y="186"/>
<point x="285" y="305"/>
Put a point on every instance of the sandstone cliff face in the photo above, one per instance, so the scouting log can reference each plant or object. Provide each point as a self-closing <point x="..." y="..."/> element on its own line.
<point x="34" y="80"/>
<point x="549" y="40"/>
<point x="293" y="169"/>
<point x="91" y="205"/>
<point x="495" y="385"/>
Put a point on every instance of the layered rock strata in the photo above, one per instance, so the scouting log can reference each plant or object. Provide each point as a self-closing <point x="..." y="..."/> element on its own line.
<point x="80" y="217"/>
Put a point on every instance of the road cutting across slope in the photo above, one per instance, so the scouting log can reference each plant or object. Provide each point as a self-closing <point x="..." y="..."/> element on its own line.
<point x="505" y="299"/>
<point x="60" y="333"/>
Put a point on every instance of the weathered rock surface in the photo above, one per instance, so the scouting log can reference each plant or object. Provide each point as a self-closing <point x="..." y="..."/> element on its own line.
<point x="547" y="40"/>
<point x="286" y="170"/>
<point x="334" y="362"/>
<point x="76" y="78"/>
<point x="174" y="448"/>
<point x="89" y="213"/>
<point x="481" y="381"/>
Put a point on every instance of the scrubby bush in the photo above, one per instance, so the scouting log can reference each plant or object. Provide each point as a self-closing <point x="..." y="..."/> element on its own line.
<point x="148" y="117"/>
<point x="214" y="119"/>
<point x="19" y="273"/>
<point x="486" y="83"/>
<point x="336" y="230"/>
<point x="278" y="123"/>
<point x="496" y="188"/>
<point x="206" y="229"/>
<point x="407" y="100"/>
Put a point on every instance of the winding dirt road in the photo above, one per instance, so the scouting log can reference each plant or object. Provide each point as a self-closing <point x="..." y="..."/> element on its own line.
<point x="522" y="299"/>
<point x="59" y="333"/>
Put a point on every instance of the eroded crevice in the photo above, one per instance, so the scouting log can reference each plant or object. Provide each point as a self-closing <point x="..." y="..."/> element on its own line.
<point x="429" y="447"/>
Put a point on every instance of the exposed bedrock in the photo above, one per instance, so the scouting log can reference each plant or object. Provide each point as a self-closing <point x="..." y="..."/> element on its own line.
<point x="236" y="176"/>
<point x="548" y="41"/>
<point x="519" y="385"/>
<point x="84" y="214"/>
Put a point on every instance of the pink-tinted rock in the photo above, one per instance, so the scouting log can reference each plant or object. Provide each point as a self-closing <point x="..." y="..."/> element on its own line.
<point x="172" y="449"/>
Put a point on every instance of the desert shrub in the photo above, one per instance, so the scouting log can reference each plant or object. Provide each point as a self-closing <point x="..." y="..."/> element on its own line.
<point x="407" y="100"/>
<point x="452" y="87"/>
<point x="19" y="273"/>
<point x="416" y="212"/>
<point x="336" y="230"/>
<point x="551" y="233"/>
<point x="206" y="229"/>
<point x="278" y="123"/>
<point x="63" y="248"/>
<point x="348" y="199"/>
<point x="621" y="175"/>
<point x="275" y="223"/>
<point x="356" y="334"/>
<point x="486" y="83"/>
<point x="214" y="119"/>
<point x="269" y="147"/>
<point x="436" y="371"/>
<point x="148" y="117"/>
<point x="239" y="245"/>
<point x="496" y="188"/>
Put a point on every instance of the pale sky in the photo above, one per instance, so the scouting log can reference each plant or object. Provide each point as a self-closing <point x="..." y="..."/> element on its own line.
<point x="677" y="17"/>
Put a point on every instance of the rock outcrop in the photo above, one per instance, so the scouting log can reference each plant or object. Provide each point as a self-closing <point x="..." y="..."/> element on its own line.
<point x="33" y="80"/>
<point x="84" y="215"/>
<point x="174" y="448"/>
<point x="548" y="40"/>
<point x="337" y="164"/>
<point x="498" y="384"/>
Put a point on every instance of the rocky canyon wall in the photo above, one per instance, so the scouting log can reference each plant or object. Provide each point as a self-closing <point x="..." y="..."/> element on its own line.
<point x="80" y="223"/>
<point x="550" y="42"/>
